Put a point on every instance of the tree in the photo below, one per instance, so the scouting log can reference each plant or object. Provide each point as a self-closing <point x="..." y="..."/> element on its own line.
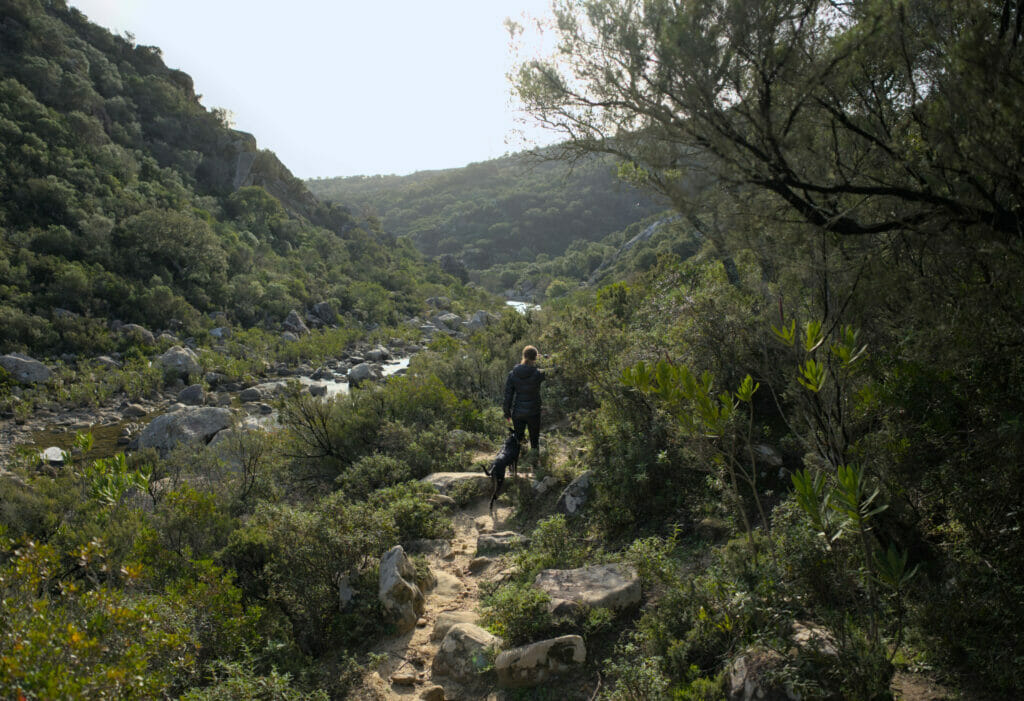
<point x="862" y="117"/>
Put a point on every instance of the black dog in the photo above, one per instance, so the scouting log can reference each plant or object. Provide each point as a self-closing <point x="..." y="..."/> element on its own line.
<point x="507" y="457"/>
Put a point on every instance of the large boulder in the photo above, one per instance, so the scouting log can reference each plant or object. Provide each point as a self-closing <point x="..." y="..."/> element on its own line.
<point x="294" y="323"/>
<point x="446" y="620"/>
<point x="191" y="425"/>
<point x="537" y="663"/>
<point x="137" y="333"/>
<point x="445" y="481"/>
<point x="361" y="373"/>
<point x="180" y="361"/>
<point x="398" y="591"/>
<point x="465" y="652"/>
<point x="193" y="395"/>
<point x="378" y="354"/>
<point x="615" y="586"/>
<point x="480" y="320"/>
<point x="498" y="543"/>
<point x="575" y="496"/>
<point x="325" y="312"/>
<point x="450" y="320"/>
<point x="26" y="370"/>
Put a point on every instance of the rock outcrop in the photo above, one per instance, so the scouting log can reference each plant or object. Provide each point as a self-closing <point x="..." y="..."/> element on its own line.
<point x="538" y="663"/>
<point x="575" y="496"/>
<point x="498" y="543"/>
<point x="466" y="651"/>
<point x="192" y="425"/>
<point x="26" y="370"/>
<point x="445" y="481"/>
<point x="446" y="620"/>
<point x="615" y="586"/>
<point x="193" y="395"/>
<point x="179" y="361"/>
<point x="294" y="323"/>
<point x="398" y="591"/>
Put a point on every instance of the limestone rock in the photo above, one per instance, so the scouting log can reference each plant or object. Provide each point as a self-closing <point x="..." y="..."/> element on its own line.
<point x="432" y="693"/>
<point x="106" y="361"/>
<point x="293" y="323"/>
<point x="378" y="354"/>
<point x="614" y="586"/>
<point x="361" y="373"/>
<point x="538" y="663"/>
<point x="194" y="425"/>
<point x="134" y="411"/>
<point x="193" y="395"/>
<point x="179" y="361"/>
<point x="497" y="543"/>
<point x="318" y="390"/>
<point x="398" y="591"/>
<point x="575" y="496"/>
<point x="289" y="336"/>
<point x="449" y="320"/>
<point x="445" y="481"/>
<point x="481" y="319"/>
<point x="750" y="677"/>
<point x="26" y="370"/>
<point x="478" y="564"/>
<point x="52" y="456"/>
<point x="465" y="652"/>
<point x="221" y="333"/>
<point x="545" y="485"/>
<point x="251" y="394"/>
<point x="325" y="312"/>
<point x="138" y="333"/>
<point x="446" y="620"/>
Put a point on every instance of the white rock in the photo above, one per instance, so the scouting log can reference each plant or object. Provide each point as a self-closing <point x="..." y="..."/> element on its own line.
<point x="190" y="425"/>
<point x="397" y="589"/>
<point x="465" y="652"/>
<point x="615" y="586"/>
<point x="26" y="370"/>
<point x="538" y="663"/>
<point x="180" y="361"/>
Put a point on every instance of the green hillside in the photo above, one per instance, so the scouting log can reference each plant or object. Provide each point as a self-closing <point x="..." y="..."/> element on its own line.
<point x="507" y="210"/>
<point x="122" y="196"/>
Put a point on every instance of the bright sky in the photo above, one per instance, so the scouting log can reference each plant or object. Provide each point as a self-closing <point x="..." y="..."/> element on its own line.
<point x="346" y="87"/>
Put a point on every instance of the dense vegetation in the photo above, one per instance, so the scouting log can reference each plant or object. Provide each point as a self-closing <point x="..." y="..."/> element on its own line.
<point x="495" y="216"/>
<point x="121" y="196"/>
<point x="801" y="404"/>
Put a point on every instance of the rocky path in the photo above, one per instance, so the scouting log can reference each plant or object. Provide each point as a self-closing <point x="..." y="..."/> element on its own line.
<point x="406" y="673"/>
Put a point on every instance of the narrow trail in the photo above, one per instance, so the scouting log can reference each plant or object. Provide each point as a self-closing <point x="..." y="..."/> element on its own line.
<point x="406" y="673"/>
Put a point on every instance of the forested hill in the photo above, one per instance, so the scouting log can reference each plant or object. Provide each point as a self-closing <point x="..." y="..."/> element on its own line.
<point x="122" y="196"/>
<point x="508" y="209"/>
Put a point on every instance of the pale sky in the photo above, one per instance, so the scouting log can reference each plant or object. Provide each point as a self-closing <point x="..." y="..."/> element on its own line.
<point x="346" y="87"/>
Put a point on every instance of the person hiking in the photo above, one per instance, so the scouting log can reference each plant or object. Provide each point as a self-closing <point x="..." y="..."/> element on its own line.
<point x="522" y="400"/>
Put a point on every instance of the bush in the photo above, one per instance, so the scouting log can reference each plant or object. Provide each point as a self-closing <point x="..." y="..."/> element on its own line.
<point x="518" y="613"/>
<point x="553" y="546"/>
<point x="236" y="681"/>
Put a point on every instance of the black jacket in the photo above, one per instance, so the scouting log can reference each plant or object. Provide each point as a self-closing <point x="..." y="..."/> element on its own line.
<point x="522" y="391"/>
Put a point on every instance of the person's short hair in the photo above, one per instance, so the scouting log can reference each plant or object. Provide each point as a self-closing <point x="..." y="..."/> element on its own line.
<point x="530" y="353"/>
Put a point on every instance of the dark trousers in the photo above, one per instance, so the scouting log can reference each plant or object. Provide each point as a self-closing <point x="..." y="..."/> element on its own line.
<point x="521" y="423"/>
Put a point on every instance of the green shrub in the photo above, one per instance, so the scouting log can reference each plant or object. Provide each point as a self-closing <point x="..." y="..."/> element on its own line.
<point x="236" y="681"/>
<point x="372" y="472"/>
<point x="517" y="613"/>
<point x="553" y="546"/>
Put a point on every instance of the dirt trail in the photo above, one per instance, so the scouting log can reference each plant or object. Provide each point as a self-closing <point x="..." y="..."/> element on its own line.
<point x="407" y="671"/>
